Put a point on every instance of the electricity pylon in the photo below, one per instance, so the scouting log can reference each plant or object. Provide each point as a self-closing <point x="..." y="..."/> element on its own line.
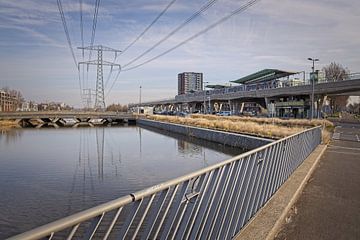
<point x="88" y="95"/>
<point x="99" y="88"/>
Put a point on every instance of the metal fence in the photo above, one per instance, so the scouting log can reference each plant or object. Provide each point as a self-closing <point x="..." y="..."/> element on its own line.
<point x="211" y="203"/>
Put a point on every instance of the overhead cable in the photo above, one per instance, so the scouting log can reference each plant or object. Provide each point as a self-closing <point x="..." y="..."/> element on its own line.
<point x="82" y="40"/>
<point x="113" y="84"/>
<point x="138" y="37"/>
<point x="151" y="24"/>
<point x="237" y="11"/>
<point x="96" y="12"/>
<point x="62" y="15"/>
<point x="186" y="22"/>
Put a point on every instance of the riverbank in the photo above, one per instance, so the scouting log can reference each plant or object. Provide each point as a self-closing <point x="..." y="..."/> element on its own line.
<point x="272" y="128"/>
<point x="7" y="125"/>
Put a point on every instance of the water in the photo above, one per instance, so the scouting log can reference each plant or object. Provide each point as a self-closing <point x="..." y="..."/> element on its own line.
<point x="47" y="174"/>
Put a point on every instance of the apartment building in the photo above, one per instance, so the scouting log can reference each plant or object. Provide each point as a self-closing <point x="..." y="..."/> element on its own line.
<point x="189" y="82"/>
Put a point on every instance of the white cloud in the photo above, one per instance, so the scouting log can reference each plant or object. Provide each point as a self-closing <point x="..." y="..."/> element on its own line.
<point x="272" y="34"/>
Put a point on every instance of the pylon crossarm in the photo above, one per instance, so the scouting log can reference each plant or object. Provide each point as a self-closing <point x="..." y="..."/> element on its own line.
<point x="105" y="63"/>
<point x="99" y="47"/>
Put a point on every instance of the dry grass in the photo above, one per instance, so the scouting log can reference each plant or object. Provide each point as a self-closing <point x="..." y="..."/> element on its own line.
<point x="246" y="127"/>
<point x="274" y="121"/>
<point x="8" y="124"/>
<point x="262" y="127"/>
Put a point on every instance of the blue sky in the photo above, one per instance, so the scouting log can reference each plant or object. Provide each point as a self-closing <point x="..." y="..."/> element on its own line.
<point x="35" y="58"/>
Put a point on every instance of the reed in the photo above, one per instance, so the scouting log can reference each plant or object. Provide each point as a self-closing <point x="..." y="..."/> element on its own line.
<point x="274" y="121"/>
<point x="229" y="125"/>
<point x="8" y="124"/>
<point x="261" y="127"/>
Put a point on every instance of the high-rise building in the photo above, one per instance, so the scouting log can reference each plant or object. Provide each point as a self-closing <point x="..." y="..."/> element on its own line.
<point x="189" y="82"/>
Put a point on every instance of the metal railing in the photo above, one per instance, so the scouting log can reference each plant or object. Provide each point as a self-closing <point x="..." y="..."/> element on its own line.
<point x="211" y="203"/>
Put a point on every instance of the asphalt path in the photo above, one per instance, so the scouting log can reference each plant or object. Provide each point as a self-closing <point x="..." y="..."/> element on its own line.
<point x="329" y="206"/>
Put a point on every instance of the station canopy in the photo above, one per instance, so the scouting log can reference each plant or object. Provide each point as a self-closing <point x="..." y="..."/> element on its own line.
<point x="263" y="76"/>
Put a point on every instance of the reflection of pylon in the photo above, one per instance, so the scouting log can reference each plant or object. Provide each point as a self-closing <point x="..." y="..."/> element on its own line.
<point x="82" y="172"/>
<point x="99" y="91"/>
<point x="100" y="151"/>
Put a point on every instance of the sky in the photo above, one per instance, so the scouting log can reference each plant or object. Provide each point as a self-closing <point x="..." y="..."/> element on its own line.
<point x="35" y="57"/>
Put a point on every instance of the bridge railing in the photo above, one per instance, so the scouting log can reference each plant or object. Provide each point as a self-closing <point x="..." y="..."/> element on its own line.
<point x="211" y="203"/>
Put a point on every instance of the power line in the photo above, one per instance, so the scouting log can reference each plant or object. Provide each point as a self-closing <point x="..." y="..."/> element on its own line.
<point x="151" y="24"/>
<point x="113" y="84"/>
<point x="81" y="27"/>
<point x="137" y="38"/>
<point x="237" y="11"/>
<point x="62" y="15"/>
<point x="96" y="11"/>
<point x="82" y="41"/>
<point x="66" y="30"/>
<point x="186" y="22"/>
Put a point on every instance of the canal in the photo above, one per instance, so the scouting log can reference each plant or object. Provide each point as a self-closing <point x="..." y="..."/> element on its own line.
<point x="46" y="174"/>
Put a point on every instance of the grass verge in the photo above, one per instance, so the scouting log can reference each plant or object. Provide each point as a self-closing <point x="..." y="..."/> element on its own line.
<point x="262" y="127"/>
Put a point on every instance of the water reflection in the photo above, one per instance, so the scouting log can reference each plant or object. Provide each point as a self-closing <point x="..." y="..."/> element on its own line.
<point x="9" y="136"/>
<point x="47" y="174"/>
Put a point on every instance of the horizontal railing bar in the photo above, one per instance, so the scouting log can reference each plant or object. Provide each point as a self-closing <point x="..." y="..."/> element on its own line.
<point x="72" y="220"/>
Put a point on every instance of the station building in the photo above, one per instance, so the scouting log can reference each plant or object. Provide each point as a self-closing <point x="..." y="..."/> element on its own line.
<point x="282" y="105"/>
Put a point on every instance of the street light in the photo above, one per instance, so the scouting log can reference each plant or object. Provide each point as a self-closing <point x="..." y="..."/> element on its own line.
<point x="204" y="96"/>
<point x="313" y="85"/>
<point x="139" y="111"/>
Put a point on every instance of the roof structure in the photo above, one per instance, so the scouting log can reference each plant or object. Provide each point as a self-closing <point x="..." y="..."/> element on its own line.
<point x="216" y="86"/>
<point x="264" y="75"/>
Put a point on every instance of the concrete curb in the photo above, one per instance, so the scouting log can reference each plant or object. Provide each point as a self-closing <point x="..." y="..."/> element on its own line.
<point x="225" y="138"/>
<point x="271" y="235"/>
<point x="268" y="221"/>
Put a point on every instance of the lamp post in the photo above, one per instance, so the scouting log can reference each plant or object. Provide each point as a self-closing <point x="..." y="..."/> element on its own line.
<point x="204" y="96"/>
<point x="210" y="112"/>
<point x="139" y="111"/>
<point x="312" y="79"/>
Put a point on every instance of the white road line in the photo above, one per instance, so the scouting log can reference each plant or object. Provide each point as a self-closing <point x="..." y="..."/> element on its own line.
<point x="357" y="137"/>
<point x="348" y="153"/>
<point x="349" y="148"/>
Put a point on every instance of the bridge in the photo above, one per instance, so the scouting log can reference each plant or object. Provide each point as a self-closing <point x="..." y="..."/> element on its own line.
<point x="281" y="96"/>
<point x="58" y="119"/>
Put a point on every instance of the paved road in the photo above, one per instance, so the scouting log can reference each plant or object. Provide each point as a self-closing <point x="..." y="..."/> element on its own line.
<point x="329" y="207"/>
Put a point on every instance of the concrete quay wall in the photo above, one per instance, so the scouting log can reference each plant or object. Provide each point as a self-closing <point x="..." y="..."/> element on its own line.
<point x="226" y="138"/>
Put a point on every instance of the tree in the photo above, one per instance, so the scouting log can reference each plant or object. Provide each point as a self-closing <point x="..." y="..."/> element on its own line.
<point x="117" y="108"/>
<point x="354" y="108"/>
<point x="335" y="72"/>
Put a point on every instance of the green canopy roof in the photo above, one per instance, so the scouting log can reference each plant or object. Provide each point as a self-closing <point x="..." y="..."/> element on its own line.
<point x="264" y="75"/>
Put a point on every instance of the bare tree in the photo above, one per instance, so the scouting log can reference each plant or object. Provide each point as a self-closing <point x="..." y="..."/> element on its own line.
<point x="335" y="72"/>
<point x="117" y="108"/>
